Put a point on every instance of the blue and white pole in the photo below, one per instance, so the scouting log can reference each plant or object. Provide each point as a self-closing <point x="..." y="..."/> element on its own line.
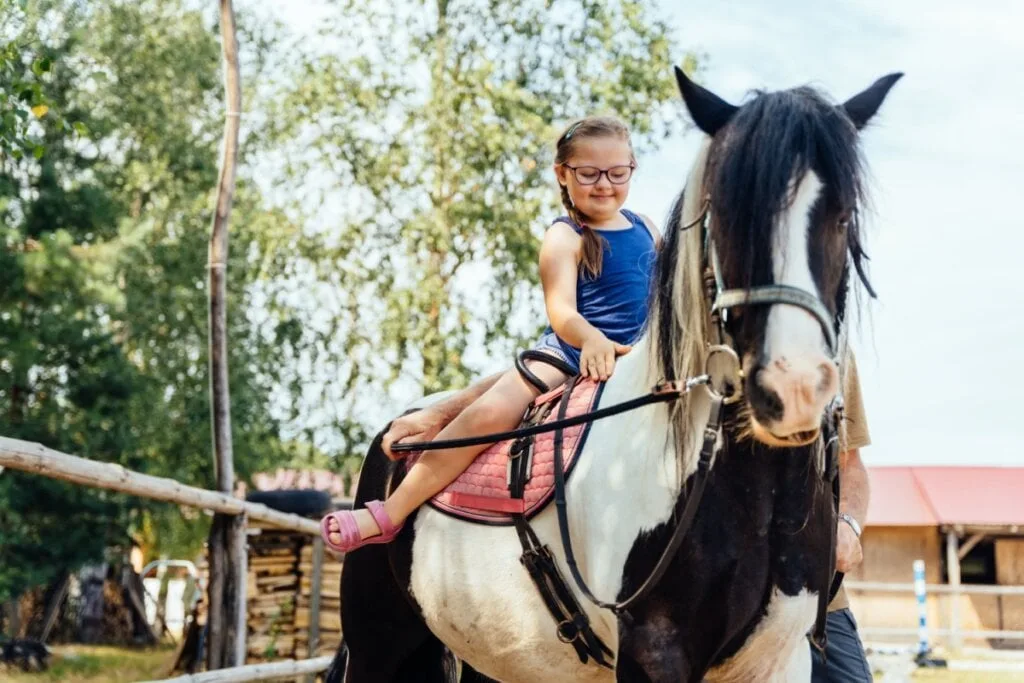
<point x="922" y="608"/>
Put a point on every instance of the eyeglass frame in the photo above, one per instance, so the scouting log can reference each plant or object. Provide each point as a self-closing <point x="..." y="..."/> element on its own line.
<point x="602" y="172"/>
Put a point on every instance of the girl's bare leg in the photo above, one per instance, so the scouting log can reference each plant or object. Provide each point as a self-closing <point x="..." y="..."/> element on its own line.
<point x="499" y="409"/>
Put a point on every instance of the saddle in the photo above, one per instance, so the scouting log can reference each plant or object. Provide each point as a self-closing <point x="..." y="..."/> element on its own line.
<point x="517" y="477"/>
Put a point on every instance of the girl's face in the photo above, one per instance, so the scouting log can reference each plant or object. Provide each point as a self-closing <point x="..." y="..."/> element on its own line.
<point x="601" y="200"/>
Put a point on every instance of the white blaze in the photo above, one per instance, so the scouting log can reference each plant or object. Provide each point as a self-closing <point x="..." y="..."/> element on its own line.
<point x="793" y="332"/>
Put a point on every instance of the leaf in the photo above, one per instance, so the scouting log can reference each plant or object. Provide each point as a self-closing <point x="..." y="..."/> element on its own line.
<point x="80" y="128"/>
<point x="40" y="110"/>
<point x="38" y="151"/>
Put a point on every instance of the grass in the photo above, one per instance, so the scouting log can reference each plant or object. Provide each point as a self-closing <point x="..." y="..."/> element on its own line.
<point x="96" y="664"/>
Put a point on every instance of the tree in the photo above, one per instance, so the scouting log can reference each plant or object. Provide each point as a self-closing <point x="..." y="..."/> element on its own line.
<point x="426" y="130"/>
<point x="22" y="75"/>
<point x="102" y="297"/>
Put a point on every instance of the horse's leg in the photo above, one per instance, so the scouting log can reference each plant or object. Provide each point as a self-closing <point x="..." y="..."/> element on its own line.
<point x="385" y="638"/>
<point x="650" y="649"/>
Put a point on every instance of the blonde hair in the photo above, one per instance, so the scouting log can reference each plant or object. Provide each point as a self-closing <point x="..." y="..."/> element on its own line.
<point x="587" y="128"/>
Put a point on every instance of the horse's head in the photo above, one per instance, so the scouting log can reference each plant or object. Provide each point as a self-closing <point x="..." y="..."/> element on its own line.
<point x="783" y="187"/>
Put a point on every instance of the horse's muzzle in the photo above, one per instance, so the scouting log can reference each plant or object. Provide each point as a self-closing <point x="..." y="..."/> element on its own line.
<point x="788" y="398"/>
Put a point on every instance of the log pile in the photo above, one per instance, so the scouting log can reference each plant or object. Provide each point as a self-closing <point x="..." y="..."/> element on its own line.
<point x="330" y="603"/>
<point x="272" y="587"/>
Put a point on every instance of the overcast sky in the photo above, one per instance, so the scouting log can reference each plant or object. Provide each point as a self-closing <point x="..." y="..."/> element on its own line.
<point x="939" y="353"/>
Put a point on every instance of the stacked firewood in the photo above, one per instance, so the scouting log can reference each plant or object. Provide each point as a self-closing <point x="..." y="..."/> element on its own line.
<point x="330" y="603"/>
<point x="272" y="588"/>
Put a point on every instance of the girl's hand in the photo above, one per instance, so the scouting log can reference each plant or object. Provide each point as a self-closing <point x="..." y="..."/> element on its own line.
<point x="597" y="356"/>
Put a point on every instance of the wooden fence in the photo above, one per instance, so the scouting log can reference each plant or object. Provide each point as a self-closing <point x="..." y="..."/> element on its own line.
<point x="38" y="459"/>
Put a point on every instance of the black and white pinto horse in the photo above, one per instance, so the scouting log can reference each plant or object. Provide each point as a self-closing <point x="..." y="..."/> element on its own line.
<point x="771" y="204"/>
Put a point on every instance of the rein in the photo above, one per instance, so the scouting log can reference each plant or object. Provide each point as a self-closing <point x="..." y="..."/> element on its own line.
<point x="662" y="392"/>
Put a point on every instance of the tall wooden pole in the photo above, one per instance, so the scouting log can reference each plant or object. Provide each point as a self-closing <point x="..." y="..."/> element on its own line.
<point x="227" y="535"/>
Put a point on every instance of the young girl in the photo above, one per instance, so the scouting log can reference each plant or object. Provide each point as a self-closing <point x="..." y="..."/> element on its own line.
<point x="595" y="267"/>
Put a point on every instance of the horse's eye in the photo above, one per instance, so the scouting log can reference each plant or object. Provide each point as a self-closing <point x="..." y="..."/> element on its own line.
<point x="844" y="221"/>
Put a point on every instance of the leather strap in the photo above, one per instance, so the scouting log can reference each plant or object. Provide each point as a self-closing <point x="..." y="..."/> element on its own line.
<point x="780" y="294"/>
<point x="541" y="357"/>
<point x="657" y="396"/>
<point x="573" y="626"/>
<point x="819" y="635"/>
<point x="678" y="534"/>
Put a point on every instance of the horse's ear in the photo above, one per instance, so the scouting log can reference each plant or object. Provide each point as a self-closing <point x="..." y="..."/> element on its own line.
<point x="709" y="111"/>
<point x="861" y="107"/>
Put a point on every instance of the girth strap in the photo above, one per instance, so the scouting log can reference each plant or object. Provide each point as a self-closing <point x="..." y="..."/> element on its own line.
<point x="573" y="625"/>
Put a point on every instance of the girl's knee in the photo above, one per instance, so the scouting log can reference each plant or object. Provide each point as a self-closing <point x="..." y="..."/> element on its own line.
<point x="497" y="412"/>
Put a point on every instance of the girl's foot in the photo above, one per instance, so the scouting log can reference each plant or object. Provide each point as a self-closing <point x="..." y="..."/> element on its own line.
<point x="345" y="530"/>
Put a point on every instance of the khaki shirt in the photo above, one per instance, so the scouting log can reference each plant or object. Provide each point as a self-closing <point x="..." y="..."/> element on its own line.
<point x="854" y="435"/>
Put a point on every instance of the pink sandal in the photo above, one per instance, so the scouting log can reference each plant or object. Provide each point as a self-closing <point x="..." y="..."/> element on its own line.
<point x="349" y="529"/>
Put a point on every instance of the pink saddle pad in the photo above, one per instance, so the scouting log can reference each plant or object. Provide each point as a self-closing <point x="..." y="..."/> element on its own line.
<point x="481" y="493"/>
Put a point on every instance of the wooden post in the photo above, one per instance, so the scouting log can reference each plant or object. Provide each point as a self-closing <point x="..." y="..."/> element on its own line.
<point x="53" y="609"/>
<point x="239" y="551"/>
<point x="314" y="602"/>
<point x="227" y="579"/>
<point x="953" y="570"/>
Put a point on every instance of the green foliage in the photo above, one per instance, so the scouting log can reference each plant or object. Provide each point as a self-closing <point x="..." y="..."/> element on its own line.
<point x="103" y="304"/>
<point x="24" y="68"/>
<point x="428" y="132"/>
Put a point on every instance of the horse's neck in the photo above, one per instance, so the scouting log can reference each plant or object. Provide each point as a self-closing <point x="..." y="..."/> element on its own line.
<point x="628" y="479"/>
<point x="640" y="443"/>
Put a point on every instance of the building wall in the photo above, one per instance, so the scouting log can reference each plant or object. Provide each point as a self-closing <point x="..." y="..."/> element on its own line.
<point x="889" y="553"/>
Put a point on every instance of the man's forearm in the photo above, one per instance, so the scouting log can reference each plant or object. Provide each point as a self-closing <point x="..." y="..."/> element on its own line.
<point x="854" y="488"/>
<point x="453" y="405"/>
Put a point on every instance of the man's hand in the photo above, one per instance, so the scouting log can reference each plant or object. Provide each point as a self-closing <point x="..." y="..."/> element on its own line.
<point x="848" y="551"/>
<point x="423" y="425"/>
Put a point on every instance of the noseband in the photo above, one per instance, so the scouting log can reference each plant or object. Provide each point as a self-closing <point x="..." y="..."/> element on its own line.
<point x="721" y="299"/>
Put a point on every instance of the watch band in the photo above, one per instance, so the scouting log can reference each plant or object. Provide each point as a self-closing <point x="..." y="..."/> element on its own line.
<point x="852" y="522"/>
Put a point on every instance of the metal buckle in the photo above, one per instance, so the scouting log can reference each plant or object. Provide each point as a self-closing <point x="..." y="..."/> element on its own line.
<point x="679" y="387"/>
<point x="729" y="373"/>
<point x="564" y="627"/>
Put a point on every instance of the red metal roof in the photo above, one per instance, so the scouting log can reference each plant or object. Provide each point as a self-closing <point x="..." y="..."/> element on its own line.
<point x="930" y="496"/>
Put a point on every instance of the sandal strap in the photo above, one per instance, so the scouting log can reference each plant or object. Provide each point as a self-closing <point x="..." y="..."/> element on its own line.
<point x="376" y="508"/>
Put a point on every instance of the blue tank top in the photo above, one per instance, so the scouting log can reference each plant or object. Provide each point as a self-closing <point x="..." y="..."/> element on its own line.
<point x="616" y="302"/>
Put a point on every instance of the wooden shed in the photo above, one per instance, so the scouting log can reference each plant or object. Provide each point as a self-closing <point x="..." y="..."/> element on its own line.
<point x="967" y="524"/>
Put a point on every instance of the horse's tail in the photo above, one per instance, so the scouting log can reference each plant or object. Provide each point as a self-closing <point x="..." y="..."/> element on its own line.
<point x="336" y="671"/>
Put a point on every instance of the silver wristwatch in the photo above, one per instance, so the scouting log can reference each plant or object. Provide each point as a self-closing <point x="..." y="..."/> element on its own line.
<point x="852" y="522"/>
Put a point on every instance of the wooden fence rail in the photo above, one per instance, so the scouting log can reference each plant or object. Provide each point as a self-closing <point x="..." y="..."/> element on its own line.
<point x="256" y="672"/>
<point x="38" y="459"/>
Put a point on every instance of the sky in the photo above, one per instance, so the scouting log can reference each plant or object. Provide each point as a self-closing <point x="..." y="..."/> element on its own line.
<point x="937" y="350"/>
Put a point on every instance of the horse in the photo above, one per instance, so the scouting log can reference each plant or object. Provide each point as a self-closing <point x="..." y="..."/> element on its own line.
<point x="762" y="250"/>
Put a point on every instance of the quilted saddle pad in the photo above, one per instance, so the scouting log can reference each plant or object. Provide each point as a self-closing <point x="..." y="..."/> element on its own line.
<point x="481" y="493"/>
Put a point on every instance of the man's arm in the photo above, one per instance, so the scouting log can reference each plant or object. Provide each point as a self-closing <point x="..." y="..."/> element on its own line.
<point x="853" y="500"/>
<point x="853" y="476"/>
<point x="423" y="425"/>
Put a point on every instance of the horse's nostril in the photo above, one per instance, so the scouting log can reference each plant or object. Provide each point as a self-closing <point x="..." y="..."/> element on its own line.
<point x="829" y="378"/>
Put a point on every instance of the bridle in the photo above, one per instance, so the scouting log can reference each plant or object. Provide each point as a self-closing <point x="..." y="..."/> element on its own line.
<point x="722" y="299"/>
